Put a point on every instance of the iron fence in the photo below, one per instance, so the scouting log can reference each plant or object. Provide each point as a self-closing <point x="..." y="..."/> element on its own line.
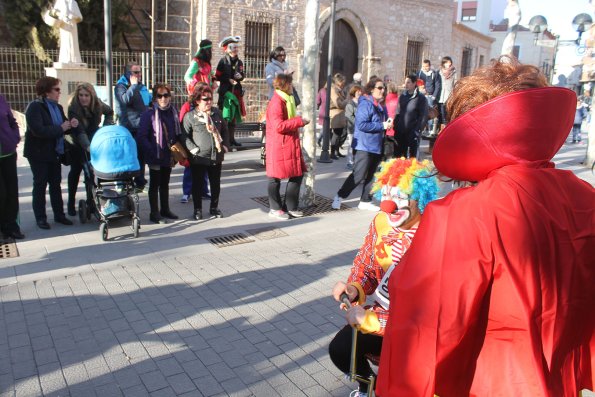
<point x="20" y="68"/>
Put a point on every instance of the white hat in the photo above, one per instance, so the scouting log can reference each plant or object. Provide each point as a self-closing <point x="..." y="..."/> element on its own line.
<point x="357" y="76"/>
<point x="229" y="39"/>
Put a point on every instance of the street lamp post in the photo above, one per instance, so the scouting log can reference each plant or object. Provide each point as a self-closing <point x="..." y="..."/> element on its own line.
<point x="107" y="21"/>
<point x="326" y="125"/>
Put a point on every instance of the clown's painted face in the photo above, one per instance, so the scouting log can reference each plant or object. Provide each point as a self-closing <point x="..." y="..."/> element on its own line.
<point x="402" y="211"/>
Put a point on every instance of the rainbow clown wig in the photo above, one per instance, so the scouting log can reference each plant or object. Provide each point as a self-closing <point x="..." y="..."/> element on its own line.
<point x="411" y="177"/>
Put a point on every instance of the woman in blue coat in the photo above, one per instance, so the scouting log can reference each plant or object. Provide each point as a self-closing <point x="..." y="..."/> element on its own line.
<point x="371" y="122"/>
<point x="158" y="130"/>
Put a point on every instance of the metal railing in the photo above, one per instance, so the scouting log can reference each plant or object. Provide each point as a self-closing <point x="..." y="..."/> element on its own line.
<point x="20" y="68"/>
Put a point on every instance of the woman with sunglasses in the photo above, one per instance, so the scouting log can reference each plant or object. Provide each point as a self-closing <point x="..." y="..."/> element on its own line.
<point x="371" y="121"/>
<point x="44" y="148"/>
<point x="88" y="109"/>
<point x="158" y="131"/>
<point x="205" y="136"/>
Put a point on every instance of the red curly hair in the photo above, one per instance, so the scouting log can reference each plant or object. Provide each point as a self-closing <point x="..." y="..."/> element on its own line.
<point x="504" y="75"/>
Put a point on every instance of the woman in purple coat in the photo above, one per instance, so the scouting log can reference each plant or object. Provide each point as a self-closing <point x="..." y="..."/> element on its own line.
<point x="158" y="130"/>
<point x="9" y="186"/>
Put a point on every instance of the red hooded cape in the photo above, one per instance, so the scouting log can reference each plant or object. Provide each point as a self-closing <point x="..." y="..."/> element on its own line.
<point x="496" y="295"/>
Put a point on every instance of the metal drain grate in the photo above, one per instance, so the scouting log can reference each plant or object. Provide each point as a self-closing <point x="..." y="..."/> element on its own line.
<point x="323" y="205"/>
<point x="230" y="239"/>
<point x="8" y="249"/>
<point x="267" y="233"/>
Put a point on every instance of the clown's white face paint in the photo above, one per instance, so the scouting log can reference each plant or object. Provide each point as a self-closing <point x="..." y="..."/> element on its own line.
<point x="402" y="211"/>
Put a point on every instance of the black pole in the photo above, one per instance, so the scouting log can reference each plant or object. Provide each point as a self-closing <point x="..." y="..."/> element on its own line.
<point x="107" y="21"/>
<point x="326" y="125"/>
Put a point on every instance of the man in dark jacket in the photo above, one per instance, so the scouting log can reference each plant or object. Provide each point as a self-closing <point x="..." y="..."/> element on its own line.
<point x="132" y="99"/>
<point x="432" y="87"/>
<point x="414" y="110"/>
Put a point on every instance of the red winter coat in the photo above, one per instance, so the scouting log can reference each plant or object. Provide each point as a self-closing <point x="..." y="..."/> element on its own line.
<point x="284" y="152"/>
<point x="495" y="295"/>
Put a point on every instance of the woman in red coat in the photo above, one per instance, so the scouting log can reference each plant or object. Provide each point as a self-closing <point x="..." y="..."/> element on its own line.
<point x="284" y="151"/>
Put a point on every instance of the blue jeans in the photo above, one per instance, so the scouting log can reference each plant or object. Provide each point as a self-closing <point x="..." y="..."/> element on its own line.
<point x="187" y="183"/>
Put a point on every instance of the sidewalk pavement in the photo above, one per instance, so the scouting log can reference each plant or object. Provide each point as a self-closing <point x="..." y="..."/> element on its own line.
<point x="169" y="313"/>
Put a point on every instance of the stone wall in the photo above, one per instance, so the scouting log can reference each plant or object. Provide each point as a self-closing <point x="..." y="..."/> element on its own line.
<point x="465" y="37"/>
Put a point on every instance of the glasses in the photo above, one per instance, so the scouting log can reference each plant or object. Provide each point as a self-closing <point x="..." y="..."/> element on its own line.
<point x="135" y="72"/>
<point x="206" y="98"/>
<point x="166" y="95"/>
<point x="380" y="88"/>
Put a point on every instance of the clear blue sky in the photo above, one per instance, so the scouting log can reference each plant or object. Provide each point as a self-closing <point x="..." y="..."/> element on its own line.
<point x="559" y="13"/>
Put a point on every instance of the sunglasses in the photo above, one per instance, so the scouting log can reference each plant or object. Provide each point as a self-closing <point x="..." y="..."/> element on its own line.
<point x="166" y="95"/>
<point x="206" y="98"/>
<point x="136" y="72"/>
<point x="57" y="89"/>
<point x="380" y="88"/>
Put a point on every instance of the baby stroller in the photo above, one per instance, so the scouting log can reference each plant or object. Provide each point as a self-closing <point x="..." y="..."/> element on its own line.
<point x="115" y="164"/>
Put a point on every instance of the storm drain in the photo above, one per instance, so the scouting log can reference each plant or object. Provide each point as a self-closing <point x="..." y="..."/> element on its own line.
<point x="267" y="233"/>
<point x="229" y="240"/>
<point x="8" y="249"/>
<point x="323" y="205"/>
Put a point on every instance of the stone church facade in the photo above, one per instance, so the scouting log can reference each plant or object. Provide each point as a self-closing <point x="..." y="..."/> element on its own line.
<point x="375" y="37"/>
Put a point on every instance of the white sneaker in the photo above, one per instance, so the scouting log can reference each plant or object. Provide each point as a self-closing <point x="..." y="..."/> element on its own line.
<point x="184" y="199"/>
<point x="336" y="205"/>
<point x="357" y="393"/>
<point x="279" y="214"/>
<point x="368" y="205"/>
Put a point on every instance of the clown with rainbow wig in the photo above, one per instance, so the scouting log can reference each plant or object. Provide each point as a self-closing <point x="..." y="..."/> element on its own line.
<point x="404" y="187"/>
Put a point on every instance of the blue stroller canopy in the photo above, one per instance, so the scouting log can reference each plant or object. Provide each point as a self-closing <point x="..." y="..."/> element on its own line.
<point x="113" y="153"/>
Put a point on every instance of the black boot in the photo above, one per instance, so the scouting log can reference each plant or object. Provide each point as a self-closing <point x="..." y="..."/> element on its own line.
<point x="164" y="198"/>
<point x="156" y="218"/>
<point x="333" y="151"/>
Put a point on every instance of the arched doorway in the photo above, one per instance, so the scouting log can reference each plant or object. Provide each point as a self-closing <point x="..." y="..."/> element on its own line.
<point x="345" y="53"/>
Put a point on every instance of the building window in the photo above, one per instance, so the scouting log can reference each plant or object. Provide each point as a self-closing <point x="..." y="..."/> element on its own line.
<point x="469" y="14"/>
<point x="516" y="51"/>
<point x="481" y="60"/>
<point x="466" y="61"/>
<point x="414" y="53"/>
<point x="469" y="11"/>
<point x="258" y="47"/>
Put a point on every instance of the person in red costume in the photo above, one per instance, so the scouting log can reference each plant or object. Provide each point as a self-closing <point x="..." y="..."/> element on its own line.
<point x="495" y="296"/>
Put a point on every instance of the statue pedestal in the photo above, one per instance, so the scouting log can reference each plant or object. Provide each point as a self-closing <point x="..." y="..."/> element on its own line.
<point x="71" y="74"/>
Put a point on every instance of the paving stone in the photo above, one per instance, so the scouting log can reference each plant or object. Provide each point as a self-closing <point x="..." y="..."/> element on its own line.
<point x="181" y="383"/>
<point x="169" y="366"/>
<point x="208" y="386"/>
<point x="154" y="381"/>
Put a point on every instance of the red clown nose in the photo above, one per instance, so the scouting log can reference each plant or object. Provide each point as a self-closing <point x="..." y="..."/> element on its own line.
<point x="388" y="206"/>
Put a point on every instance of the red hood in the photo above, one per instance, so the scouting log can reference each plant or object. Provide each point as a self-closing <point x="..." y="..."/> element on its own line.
<point x="521" y="127"/>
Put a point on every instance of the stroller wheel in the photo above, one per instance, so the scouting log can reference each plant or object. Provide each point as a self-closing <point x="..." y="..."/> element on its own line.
<point x="103" y="229"/>
<point x="135" y="227"/>
<point x="83" y="211"/>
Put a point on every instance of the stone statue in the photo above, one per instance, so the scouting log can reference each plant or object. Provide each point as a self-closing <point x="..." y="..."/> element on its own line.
<point x="512" y="12"/>
<point x="65" y="14"/>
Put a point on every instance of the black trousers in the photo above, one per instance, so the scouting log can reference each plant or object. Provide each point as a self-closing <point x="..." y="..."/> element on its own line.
<point x="44" y="174"/>
<point x="198" y="181"/>
<point x="340" y="352"/>
<point x="364" y="167"/>
<point x="74" y="175"/>
<point x="139" y="181"/>
<point x="292" y="193"/>
<point x="159" y="189"/>
<point x="231" y="130"/>
<point x="337" y="138"/>
<point x="9" y="194"/>
<point x="407" y="145"/>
